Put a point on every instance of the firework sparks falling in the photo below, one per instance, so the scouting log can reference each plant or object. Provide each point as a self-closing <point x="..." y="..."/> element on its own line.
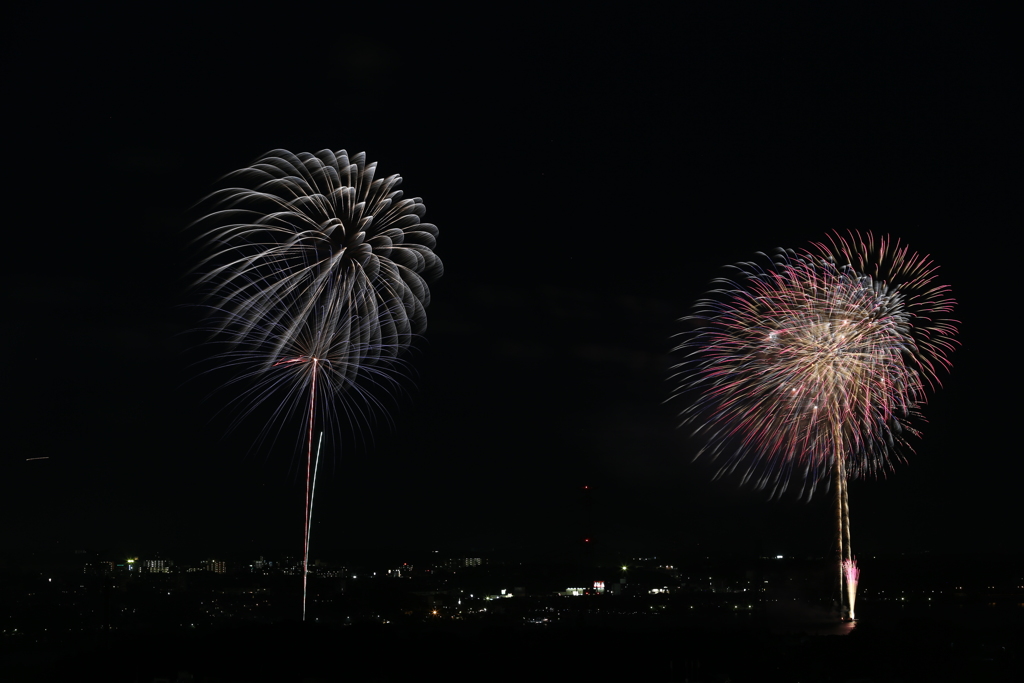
<point x="810" y="367"/>
<point x="316" y="282"/>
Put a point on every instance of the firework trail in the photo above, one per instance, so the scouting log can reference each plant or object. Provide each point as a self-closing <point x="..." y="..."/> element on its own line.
<point x="309" y="520"/>
<point x="809" y="367"/>
<point x="315" y="278"/>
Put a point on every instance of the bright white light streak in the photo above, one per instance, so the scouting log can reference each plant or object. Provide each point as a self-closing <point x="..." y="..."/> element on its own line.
<point x="312" y="494"/>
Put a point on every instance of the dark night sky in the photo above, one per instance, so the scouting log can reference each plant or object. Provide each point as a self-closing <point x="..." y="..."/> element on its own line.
<point x="590" y="174"/>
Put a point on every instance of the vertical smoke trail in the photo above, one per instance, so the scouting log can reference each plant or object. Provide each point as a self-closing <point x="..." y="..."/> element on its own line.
<point x="839" y="533"/>
<point x="843" y="545"/>
<point x="847" y="548"/>
<point x="309" y="521"/>
<point x="309" y="498"/>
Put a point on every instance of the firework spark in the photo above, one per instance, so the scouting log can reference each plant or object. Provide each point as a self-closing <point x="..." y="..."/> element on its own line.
<point x="807" y="359"/>
<point x="852" y="575"/>
<point x="316" y="281"/>
<point x="319" y="259"/>
<point x="811" y="367"/>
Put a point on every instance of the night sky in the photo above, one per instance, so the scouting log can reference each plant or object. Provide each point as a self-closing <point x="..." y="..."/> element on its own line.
<point x="590" y="174"/>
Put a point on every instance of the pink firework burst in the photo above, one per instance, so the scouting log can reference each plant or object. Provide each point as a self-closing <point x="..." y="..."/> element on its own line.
<point x="851" y="571"/>
<point x="812" y="356"/>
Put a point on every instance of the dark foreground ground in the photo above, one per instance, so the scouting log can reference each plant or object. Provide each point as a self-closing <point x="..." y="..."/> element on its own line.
<point x="796" y="644"/>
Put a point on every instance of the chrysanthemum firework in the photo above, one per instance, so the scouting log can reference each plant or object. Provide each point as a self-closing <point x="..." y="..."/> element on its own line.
<point x="312" y="258"/>
<point x="815" y="355"/>
<point x="316" y="283"/>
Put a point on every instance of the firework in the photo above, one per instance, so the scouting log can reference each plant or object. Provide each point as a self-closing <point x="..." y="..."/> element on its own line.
<point x="315" y="254"/>
<point x="852" y="575"/>
<point x="809" y="367"/>
<point x="806" y="357"/>
<point x="315" y="277"/>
